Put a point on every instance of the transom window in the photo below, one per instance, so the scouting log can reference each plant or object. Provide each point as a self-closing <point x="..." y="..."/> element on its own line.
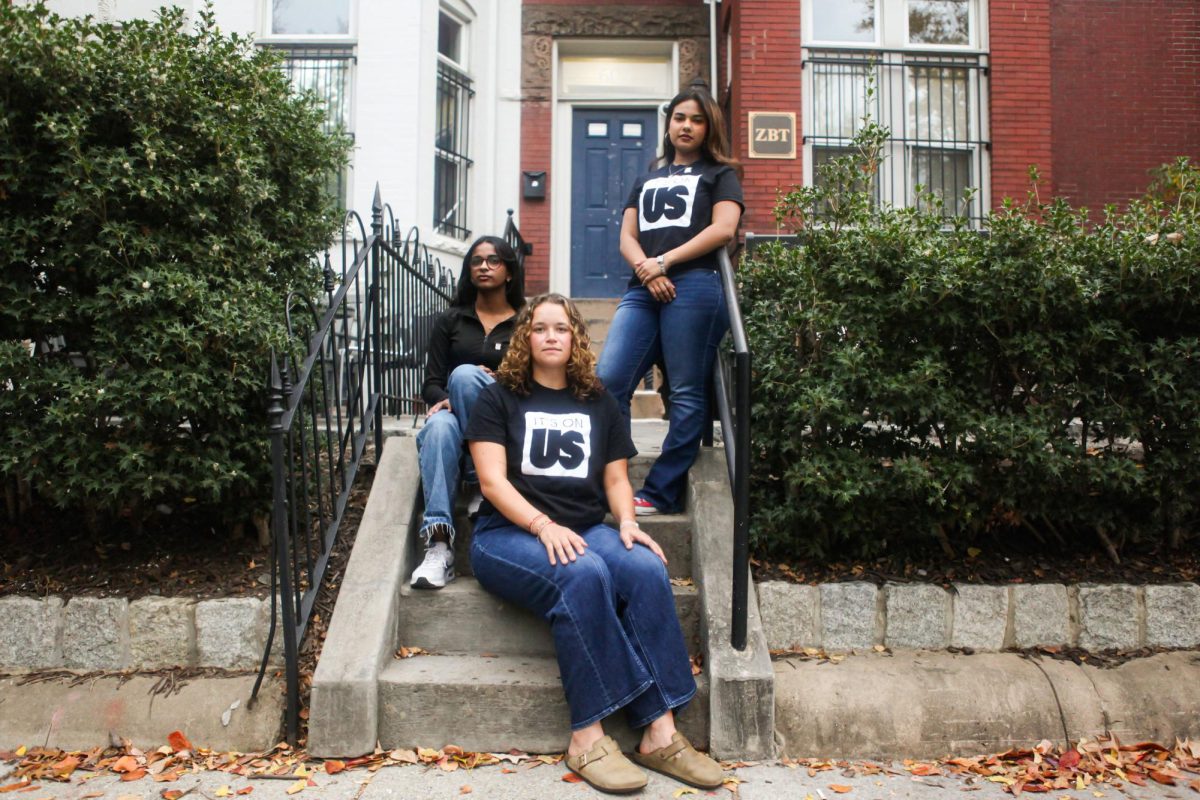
<point x="310" y="17"/>
<point x="929" y="91"/>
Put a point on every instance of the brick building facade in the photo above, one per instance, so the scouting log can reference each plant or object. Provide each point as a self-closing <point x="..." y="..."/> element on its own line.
<point x="974" y="92"/>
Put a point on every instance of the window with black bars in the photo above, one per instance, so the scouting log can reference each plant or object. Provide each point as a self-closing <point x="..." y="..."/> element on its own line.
<point x="451" y="166"/>
<point x="327" y="72"/>
<point x="932" y="103"/>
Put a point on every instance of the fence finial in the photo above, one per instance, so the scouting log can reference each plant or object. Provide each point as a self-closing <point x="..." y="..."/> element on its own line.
<point x="377" y="212"/>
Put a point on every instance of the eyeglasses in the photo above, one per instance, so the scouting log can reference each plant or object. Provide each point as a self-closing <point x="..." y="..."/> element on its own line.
<point x="492" y="261"/>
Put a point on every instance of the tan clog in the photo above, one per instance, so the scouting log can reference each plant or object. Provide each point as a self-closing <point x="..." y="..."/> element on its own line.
<point x="681" y="761"/>
<point x="606" y="768"/>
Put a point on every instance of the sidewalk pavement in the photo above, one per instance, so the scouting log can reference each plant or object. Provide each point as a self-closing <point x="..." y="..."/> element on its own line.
<point x="768" y="781"/>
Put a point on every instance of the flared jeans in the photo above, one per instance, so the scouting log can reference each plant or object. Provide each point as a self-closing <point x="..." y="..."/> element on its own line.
<point x="612" y="614"/>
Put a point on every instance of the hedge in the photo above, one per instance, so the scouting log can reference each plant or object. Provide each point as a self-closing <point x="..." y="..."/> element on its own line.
<point x="161" y="189"/>
<point x="921" y="384"/>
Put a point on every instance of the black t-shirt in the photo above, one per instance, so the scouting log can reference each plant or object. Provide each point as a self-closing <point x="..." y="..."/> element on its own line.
<point x="457" y="338"/>
<point x="557" y="448"/>
<point x="675" y="203"/>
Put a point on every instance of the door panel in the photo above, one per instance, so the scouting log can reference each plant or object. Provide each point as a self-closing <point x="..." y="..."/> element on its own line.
<point x="610" y="148"/>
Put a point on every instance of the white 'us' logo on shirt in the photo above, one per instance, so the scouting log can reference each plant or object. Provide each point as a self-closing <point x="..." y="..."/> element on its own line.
<point x="557" y="444"/>
<point x="666" y="202"/>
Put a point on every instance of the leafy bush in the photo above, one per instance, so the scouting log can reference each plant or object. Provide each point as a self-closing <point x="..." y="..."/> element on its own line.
<point x="919" y="382"/>
<point x="161" y="190"/>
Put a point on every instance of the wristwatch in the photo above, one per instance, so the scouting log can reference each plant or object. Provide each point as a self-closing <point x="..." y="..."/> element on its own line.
<point x="662" y="265"/>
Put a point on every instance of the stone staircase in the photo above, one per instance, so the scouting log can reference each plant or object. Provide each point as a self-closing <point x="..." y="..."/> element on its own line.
<point x="487" y="678"/>
<point x="598" y="314"/>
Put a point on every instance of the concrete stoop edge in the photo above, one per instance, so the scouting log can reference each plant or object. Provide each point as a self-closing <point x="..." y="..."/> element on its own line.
<point x="343" y="715"/>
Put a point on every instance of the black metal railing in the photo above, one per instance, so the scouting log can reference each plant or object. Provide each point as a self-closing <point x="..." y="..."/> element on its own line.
<point x="732" y="389"/>
<point x="350" y="355"/>
<point x="516" y="241"/>
<point x="933" y="102"/>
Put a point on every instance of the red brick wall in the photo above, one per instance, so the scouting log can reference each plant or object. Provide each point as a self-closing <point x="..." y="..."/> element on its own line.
<point x="1020" y="95"/>
<point x="766" y="77"/>
<point x="535" y="214"/>
<point x="1126" y="94"/>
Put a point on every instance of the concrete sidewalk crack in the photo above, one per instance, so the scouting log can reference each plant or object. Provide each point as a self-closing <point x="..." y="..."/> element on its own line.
<point x="1062" y="717"/>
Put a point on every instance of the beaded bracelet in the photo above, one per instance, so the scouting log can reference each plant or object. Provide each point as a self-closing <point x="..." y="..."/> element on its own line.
<point x="544" y="519"/>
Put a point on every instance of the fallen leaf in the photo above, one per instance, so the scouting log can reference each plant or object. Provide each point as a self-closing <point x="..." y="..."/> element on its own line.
<point x="1162" y="777"/>
<point x="223" y="791"/>
<point x="571" y="777"/>
<point x="178" y="741"/>
<point x="21" y="750"/>
<point x="12" y="787"/>
<point x="507" y="771"/>
<point x="404" y="756"/>
<point x="464" y="790"/>
<point x="840" y="788"/>
<point x="245" y="790"/>
<point x="135" y="775"/>
<point x="125" y="764"/>
<point x="1069" y="760"/>
<point x="333" y="766"/>
<point x="171" y="794"/>
<point x="298" y="786"/>
<point x="682" y="792"/>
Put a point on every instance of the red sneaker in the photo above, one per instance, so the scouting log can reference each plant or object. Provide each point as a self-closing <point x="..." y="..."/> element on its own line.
<point x="644" y="508"/>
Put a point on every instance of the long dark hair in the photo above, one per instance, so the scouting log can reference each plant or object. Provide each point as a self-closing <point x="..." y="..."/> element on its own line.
<point x="715" y="147"/>
<point x="514" y="290"/>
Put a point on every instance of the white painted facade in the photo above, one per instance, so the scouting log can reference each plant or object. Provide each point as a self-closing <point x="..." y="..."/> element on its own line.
<point x="393" y="99"/>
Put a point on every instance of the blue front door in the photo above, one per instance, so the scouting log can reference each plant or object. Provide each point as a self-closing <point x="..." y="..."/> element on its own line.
<point x="609" y="150"/>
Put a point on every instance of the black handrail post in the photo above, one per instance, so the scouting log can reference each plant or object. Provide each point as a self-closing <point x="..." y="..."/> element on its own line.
<point x="279" y="534"/>
<point x="741" y="506"/>
<point x="376" y="299"/>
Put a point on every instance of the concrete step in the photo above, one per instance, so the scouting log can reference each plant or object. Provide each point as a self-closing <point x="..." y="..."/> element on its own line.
<point x="673" y="532"/>
<point x="463" y="618"/>
<point x="494" y="704"/>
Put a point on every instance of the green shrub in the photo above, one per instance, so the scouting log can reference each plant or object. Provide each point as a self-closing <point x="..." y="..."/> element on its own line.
<point x="918" y="382"/>
<point x="161" y="190"/>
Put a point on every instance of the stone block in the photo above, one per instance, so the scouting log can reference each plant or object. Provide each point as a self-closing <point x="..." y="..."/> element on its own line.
<point x="790" y="613"/>
<point x="980" y="617"/>
<point x="96" y="633"/>
<point x="1108" y="617"/>
<point x="917" y="616"/>
<point x="162" y="632"/>
<point x="849" y="615"/>
<point x="1041" y="615"/>
<point x="31" y="632"/>
<point x="1173" y="615"/>
<point x="231" y="632"/>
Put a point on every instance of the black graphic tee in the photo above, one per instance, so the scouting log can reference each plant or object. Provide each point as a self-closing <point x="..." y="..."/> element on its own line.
<point x="675" y="203"/>
<point x="557" y="448"/>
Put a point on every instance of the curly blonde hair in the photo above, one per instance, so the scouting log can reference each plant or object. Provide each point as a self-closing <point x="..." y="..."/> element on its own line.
<point x="516" y="371"/>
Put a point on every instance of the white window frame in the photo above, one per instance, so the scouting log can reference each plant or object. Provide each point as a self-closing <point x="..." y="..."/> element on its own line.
<point x="461" y="67"/>
<point x="892" y="34"/>
<point x="270" y="37"/>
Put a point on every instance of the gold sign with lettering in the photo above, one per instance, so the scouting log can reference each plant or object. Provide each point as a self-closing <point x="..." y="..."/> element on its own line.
<point x="772" y="134"/>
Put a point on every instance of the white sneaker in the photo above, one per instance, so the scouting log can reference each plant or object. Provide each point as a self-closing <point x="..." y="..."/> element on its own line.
<point x="436" y="570"/>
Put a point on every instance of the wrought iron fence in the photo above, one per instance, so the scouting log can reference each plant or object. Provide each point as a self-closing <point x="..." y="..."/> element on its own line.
<point x="516" y="241"/>
<point x="352" y="355"/>
<point x="933" y="102"/>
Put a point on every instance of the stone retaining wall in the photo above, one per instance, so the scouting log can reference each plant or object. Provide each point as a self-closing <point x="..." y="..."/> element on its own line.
<point x="860" y="615"/>
<point x="112" y="633"/>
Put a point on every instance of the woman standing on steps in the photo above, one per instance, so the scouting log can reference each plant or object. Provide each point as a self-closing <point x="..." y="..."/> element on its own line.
<point x="676" y="218"/>
<point x="467" y="344"/>
<point x="552" y="453"/>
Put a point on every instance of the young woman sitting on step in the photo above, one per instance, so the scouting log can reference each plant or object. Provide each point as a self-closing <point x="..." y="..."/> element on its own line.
<point x="551" y="449"/>
<point x="466" y="346"/>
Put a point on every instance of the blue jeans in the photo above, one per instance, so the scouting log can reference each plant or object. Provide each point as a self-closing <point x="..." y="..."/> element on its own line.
<point x="440" y="450"/>
<point x="686" y="332"/>
<point x="612" y="614"/>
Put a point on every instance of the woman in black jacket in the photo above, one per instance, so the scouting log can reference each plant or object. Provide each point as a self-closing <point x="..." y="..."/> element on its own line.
<point x="467" y="344"/>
